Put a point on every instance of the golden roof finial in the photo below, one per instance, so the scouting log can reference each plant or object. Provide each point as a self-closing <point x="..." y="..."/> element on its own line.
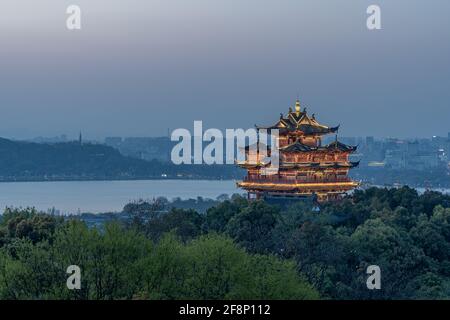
<point x="297" y="107"/>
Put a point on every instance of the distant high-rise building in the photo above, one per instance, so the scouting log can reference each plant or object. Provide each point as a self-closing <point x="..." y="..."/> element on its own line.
<point x="413" y="148"/>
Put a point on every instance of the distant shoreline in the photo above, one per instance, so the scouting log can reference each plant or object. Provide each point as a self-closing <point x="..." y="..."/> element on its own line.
<point x="365" y="186"/>
<point x="120" y="179"/>
<point x="106" y="196"/>
<point x="95" y="196"/>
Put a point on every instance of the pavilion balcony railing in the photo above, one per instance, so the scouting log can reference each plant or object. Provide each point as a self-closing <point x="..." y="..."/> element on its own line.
<point x="271" y="179"/>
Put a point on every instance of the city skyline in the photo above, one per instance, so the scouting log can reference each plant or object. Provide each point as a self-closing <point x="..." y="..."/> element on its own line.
<point x="141" y="69"/>
<point x="63" y="137"/>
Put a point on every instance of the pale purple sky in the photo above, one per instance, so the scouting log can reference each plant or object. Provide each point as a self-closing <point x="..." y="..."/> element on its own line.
<point x="139" y="67"/>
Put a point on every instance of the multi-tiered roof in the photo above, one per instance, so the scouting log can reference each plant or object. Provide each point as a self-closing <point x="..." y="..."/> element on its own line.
<point x="300" y="121"/>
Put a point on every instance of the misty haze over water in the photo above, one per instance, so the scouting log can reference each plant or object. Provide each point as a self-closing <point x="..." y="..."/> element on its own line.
<point x="105" y="196"/>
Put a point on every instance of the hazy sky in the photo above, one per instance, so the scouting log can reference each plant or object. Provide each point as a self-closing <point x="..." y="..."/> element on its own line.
<point x="139" y="67"/>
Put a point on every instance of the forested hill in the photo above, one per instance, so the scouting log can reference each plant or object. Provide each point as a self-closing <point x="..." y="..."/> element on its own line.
<point x="26" y="161"/>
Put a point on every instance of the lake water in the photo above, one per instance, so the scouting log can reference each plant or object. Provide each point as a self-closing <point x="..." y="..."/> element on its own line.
<point x="105" y="196"/>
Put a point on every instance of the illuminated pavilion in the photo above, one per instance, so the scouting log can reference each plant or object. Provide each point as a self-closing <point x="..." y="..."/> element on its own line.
<point x="306" y="167"/>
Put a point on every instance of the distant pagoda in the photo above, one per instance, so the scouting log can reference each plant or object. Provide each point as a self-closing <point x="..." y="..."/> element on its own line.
<point x="306" y="168"/>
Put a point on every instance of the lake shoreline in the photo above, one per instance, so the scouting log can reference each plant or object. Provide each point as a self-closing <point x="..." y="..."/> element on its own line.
<point x="99" y="196"/>
<point x="106" y="196"/>
<point x="119" y="179"/>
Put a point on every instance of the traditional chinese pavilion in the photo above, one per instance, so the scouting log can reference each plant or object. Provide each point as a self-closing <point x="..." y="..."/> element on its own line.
<point x="306" y="167"/>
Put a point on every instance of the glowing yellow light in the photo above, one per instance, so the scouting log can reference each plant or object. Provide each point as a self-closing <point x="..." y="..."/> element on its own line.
<point x="349" y="183"/>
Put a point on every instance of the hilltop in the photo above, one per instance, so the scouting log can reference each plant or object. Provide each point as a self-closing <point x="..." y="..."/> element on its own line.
<point x="28" y="161"/>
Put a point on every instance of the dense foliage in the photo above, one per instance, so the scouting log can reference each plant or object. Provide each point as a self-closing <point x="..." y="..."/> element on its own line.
<point x="120" y="262"/>
<point x="238" y="249"/>
<point x="406" y="234"/>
